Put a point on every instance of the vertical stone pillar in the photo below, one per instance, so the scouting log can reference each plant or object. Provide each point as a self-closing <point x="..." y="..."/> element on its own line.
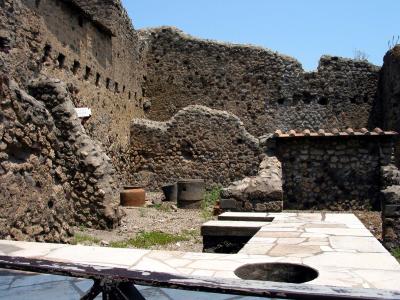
<point x="391" y="217"/>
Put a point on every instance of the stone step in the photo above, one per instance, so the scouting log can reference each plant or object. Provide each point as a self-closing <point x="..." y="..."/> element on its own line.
<point x="245" y="216"/>
<point x="231" y="228"/>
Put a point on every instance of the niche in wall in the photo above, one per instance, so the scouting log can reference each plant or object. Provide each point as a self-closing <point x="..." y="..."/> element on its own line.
<point x="61" y="60"/>
<point x="87" y="72"/>
<point x="97" y="79"/>
<point x="46" y="52"/>
<point x="75" y="67"/>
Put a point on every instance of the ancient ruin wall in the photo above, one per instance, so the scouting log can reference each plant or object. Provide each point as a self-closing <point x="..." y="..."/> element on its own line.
<point x="99" y="56"/>
<point x="52" y="175"/>
<point x="389" y="107"/>
<point x="389" y="95"/>
<point x="391" y="207"/>
<point x="389" y="89"/>
<point x="337" y="172"/>
<point x="198" y="142"/>
<point x="266" y="90"/>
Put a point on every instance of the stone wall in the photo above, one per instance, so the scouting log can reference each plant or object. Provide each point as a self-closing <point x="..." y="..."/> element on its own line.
<point x="391" y="207"/>
<point x="266" y="90"/>
<point x="52" y="175"/>
<point x="389" y="109"/>
<point x="389" y="94"/>
<point x="198" y="142"/>
<point x="335" y="171"/>
<point x="54" y="172"/>
<point x="100" y="57"/>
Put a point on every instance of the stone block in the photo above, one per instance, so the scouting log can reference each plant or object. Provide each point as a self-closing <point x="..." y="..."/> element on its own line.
<point x="228" y="204"/>
<point x="274" y="206"/>
<point x="392" y="211"/>
<point x="231" y="228"/>
<point x="245" y="216"/>
<point x="391" y="195"/>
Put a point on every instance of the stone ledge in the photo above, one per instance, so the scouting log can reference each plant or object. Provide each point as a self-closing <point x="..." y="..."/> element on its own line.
<point x="243" y="216"/>
<point x="231" y="228"/>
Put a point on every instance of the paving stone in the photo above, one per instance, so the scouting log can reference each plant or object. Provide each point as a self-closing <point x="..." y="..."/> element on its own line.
<point x="360" y="244"/>
<point x="339" y="231"/>
<point x="278" y="234"/>
<point x="379" y="261"/>
<point x="290" y="241"/>
<point x="284" y="250"/>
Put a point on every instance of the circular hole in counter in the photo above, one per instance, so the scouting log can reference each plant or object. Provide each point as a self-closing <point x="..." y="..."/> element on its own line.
<point x="277" y="272"/>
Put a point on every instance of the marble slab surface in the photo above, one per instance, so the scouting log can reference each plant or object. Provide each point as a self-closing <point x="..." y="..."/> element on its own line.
<point x="338" y="246"/>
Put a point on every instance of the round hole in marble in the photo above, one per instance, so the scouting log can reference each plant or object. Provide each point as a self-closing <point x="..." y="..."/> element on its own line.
<point x="278" y="272"/>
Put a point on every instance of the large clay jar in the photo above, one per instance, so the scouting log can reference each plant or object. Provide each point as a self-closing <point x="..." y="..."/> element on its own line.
<point x="190" y="193"/>
<point x="133" y="196"/>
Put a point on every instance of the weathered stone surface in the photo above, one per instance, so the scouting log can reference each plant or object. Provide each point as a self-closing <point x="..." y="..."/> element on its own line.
<point x="391" y="195"/>
<point x="262" y="192"/>
<point x="335" y="172"/>
<point x="93" y="48"/>
<point x="47" y="185"/>
<point x="266" y="90"/>
<point x="123" y="74"/>
<point x="387" y="110"/>
<point x="392" y="211"/>
<point x="391" y="217"/>
<point x="390" y="175"/>
<point x="229" y="204"/>
<point x="198" y="142"/>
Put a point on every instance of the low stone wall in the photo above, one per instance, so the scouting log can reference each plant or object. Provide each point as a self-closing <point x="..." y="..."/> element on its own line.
<point x="52" y="175"/>
<point x="391" y="207"/>
<point x="391" y="217"/>
<point x="335" y="171"/>
<point x="261" y="193"/>
<point x="198" y="142"/>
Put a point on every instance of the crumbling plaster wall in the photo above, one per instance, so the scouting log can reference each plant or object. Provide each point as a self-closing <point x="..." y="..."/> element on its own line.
<point x="52" y="174"/>
<point x="198" y="142"/>
<point x="266" y="90"/>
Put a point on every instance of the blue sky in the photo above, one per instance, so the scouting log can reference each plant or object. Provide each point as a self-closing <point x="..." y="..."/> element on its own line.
<point x="304" y="29"/>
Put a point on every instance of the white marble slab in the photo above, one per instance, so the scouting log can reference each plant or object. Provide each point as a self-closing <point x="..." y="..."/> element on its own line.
<point x="353" y="260"/>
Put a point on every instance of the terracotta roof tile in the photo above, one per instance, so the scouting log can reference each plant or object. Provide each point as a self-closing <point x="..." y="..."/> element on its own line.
<point x="333" y="132"/>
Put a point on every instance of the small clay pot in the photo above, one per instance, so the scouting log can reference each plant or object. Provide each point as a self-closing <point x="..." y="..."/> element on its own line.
<point x="133" y="196"/>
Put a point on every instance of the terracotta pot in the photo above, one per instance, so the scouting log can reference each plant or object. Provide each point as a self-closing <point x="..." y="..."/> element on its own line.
<point x="133" y="196"/>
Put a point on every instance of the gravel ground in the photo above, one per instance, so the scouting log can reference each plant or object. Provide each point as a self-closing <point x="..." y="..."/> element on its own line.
<point x="167" y="218"/>
<point x="372" y="221"/>
<point x="163" y="218"/>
